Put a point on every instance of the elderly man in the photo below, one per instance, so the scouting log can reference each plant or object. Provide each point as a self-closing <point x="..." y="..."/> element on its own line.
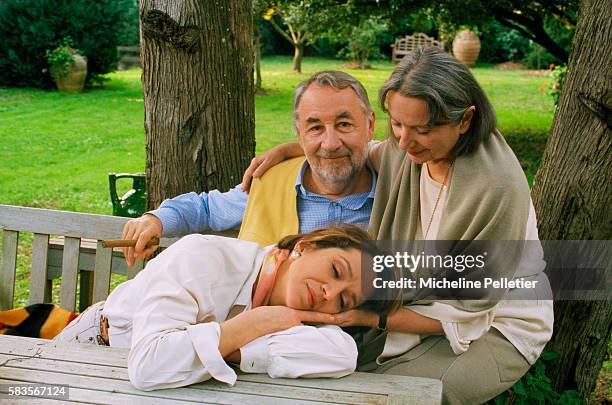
<point x="334" y="123"/>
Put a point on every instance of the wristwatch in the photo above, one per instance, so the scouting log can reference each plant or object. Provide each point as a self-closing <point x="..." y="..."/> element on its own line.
<point x="382" y="322"/>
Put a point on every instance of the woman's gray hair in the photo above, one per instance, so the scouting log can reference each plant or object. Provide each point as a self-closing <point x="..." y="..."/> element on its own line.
<point x="449" y="89"/>
<point x="338" y="80"/>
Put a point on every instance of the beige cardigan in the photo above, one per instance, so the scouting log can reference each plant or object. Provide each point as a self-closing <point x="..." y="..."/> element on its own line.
<point x="527" y="324"/>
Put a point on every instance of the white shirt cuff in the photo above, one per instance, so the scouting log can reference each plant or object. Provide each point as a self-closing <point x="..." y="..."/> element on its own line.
<point x="456" y="343"/>
<point x="205" y="340"/>
<point x="254" y="356"/>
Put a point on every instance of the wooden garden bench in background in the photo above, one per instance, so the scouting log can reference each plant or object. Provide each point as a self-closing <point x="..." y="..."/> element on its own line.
<point x="403" y="46"/>
<point x="66" y="244"/>
<point x="129" y="56"/>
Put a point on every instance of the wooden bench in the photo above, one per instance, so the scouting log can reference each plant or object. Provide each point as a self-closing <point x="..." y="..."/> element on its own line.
<point x="95" y="374"/>
<point x="129" y="56"/>
<point x="403" y="46"/>
<point x="66" y="244"/>
<point x="99" y="374"/>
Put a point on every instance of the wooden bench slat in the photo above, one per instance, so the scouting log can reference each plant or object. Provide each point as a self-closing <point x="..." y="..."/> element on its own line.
<point x="74" y="224"/>
<point x="359" y="382"/>
<point x="40" y="287"/>
<point x="102" y="273"/>
<point x="9" y="267"/>
<point x="403" y="46"/>
<point x="104" y="385"/>
<point x="85" y="396"/>
<point x="30" y="400"/>
<point x="242" y="387"/>
<point x="70" y="270"/>
<point x="128" y="48"/>
<point x="54" y="222"/>
<point x="42" y="348"/>
<point x="87" y="261"/>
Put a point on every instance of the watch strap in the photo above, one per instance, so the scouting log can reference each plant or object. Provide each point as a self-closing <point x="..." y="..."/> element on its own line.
<point x="382" y="322"/>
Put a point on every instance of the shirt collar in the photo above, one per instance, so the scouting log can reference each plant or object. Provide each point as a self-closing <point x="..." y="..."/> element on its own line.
<point x="300" y="189"/>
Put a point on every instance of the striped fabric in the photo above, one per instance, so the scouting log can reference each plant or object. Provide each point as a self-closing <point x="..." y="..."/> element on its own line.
<point x="39" y="321"/>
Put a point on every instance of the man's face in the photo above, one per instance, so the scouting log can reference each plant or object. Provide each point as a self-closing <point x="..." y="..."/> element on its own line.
<point x="334" y="132"/>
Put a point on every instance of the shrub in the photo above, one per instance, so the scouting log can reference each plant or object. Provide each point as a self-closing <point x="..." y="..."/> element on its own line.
<point x="30" y="28"/>
<point x="61" y="59"/>
<point x="536" y="388"/>
<point x="557" y="74"/>
<point x="540" y="58"/>
<point x="364" y="41"/>
<point x="129" y="27"/>
<point x="502" y="44"/>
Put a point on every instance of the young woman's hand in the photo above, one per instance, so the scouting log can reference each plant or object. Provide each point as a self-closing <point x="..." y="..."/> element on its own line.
<point x="271" y="319"/>
<point x="356" y="317"/>
<point x="260" y="321"/>
<point x="260" y="164"/>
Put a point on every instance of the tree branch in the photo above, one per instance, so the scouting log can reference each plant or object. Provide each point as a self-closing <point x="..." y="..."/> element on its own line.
<point x="280" y="30"/>
<point x="292" y="32"/>
<point x="559" y="11"/>
<point x="511" y="24"/>
<point x="532" y="28"/>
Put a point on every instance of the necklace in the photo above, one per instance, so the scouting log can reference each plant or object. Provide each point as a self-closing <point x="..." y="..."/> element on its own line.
<point x="437" y="198"/>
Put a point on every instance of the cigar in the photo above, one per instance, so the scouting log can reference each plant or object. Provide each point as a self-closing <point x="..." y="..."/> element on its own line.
<point x="112" y="243"/>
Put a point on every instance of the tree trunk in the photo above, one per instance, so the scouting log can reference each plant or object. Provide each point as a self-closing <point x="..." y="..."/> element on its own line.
<point x="297" y="57"/>
<point x="573" y="191"/>
<point x="257" y="52"/>
<point x="197" y="59"/>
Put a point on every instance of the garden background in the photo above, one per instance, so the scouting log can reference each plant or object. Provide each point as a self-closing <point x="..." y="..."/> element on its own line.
<point x="58" y="148"/>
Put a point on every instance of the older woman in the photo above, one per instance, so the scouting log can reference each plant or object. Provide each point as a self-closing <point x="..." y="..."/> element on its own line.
<point x="207" y="299"/>
<point x="446" y="173"/>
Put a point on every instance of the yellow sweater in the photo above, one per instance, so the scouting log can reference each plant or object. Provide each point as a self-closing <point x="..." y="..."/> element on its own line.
<point x="271" y="211"/>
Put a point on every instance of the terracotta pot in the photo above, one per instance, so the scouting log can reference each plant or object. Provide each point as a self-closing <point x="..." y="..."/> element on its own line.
<point x="466" y="47"/>
<point x="74" y="81"/>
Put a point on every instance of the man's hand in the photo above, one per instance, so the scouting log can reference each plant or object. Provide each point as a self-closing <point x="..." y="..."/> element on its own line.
<point x="356" y="317"/>
<point x="143" y="229"/>
<point x="260" y="164"/>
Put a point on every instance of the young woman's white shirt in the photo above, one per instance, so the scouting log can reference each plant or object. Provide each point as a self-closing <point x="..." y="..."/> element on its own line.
<point x="169" y="315"/>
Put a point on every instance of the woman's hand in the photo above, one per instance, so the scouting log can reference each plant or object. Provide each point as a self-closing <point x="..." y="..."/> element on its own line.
<point x="356" y="317"/>
<point x="260" y="321"/>
<point x="271" y="319"/>
<point x="260" y="164"/>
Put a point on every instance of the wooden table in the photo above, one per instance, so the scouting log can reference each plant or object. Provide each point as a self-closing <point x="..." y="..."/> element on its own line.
<point x="99" y="375"/>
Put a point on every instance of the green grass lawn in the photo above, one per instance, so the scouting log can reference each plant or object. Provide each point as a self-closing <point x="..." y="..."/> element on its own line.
<point x="57" y="149"/>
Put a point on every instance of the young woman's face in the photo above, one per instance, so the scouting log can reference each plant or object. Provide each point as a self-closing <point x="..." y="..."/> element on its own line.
<point x="324" y="280"/>
<point x="409" y="118"/>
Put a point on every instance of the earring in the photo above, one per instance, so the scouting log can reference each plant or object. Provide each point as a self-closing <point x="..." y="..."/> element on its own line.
<point x="295" y="254"/>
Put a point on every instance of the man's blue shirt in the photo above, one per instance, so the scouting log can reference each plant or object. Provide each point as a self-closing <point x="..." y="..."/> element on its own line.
<point x="192" y="212"/>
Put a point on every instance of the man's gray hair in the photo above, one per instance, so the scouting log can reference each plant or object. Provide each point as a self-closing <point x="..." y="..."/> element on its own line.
<point x="449" y="89"/>
<point x="338" y="80"/>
